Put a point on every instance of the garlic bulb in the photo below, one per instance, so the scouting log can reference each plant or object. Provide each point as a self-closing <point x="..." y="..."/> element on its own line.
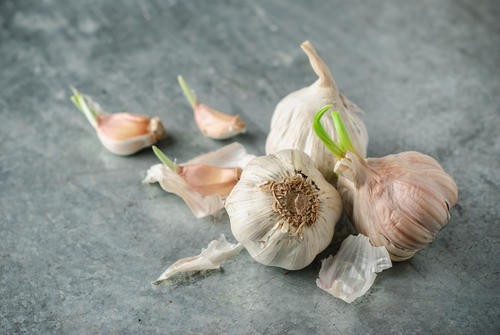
<point x="211" y="122"/>
<point x="211" y="258"/>
<point x="351" y="272"/>
<point x="298" y="109"/>
<point x="203" y="182"/>
<point x="399" y="201"/>
<point x="283" y="210"/>
<point x="120" y="133"/>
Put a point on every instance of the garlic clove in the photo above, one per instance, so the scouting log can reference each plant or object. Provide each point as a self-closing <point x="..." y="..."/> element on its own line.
<point x="120" y="133"/>
<point x="209" y="179"/>
<point x="283" y="210"/>
<point x="211" y="122"/>
<point x="351" y="272"/>
<point x="211" y="258"/>
<point x="204" y="181"/>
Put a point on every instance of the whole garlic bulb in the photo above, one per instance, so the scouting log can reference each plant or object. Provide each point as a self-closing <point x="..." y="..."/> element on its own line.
<point x="293" y="112"/>
<point x="283" y="210"/>
<point x="399" y="201"/>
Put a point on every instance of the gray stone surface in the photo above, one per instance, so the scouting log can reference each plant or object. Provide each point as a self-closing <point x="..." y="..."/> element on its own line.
<point x="80" y="236"/>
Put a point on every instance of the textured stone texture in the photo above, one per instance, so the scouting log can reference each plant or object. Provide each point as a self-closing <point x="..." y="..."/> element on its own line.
<point x="80" y="236"/>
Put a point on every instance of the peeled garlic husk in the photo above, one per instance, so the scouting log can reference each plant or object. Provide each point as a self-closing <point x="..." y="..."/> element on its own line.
<point x="294" y="113"/>
<point x="399" y="201"/>
<point x="351" y="272"/>
<point x="211" y="122"/>
<point x="121" y="133"/>
<point x="283" y="210"/>
<point x="203" y="182"/>
<point x="211" y="258"/>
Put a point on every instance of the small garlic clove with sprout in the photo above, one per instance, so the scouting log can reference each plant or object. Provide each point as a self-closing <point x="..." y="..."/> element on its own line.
<point x="299" y="107"/>
<point x="351" y="272"/>
<point x="283" y="210"/>
<point x="212" y="123"/>
<point x="120" y="133"/>
<point x="204" y="182"/>
<point x="399" y="201"/>
<point x="211" y="258"/>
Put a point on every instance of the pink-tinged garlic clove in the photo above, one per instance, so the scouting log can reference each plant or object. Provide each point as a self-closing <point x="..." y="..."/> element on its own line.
<point x="203" y="182"/>
<point x="120" y="133"/>
<point x="211" y="122"/>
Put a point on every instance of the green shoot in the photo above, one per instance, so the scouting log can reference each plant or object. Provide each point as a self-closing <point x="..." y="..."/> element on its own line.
<point x="344" y="141"/>
<point x="164" y="159"/>
<point x="80" y="103"/>
<point x="190" y="96"/>
<point x="323" y="135"/>
<point x="342" y="134"/>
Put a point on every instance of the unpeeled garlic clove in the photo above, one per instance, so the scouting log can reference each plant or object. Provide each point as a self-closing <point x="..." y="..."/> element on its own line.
<point x="283" y="210"/>
<point x="211" y="122"/>
<point x="211" y="258"/>
<point x="298" y="108"/>
<point x="120" y="133"/>
<point x="351" y="272"/>
<point x="399" y="201"/>
<point x="204" y="181"/>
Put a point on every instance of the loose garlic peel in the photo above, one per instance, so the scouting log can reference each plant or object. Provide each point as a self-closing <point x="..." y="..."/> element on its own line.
<point x="298" y="108"/>
<point x="211" y="258"/>
<point x="120" y="133"/>
<point x="351" y="272"/>
<point x="211" y="122"/>
<point x="283" y="210"/>
<point x="399" y="201"/>
<point x="203" y="182"/>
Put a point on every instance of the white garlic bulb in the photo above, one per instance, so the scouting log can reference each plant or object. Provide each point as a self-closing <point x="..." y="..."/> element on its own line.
<point x="283" y="210"/>
<point x="294" y="113"/>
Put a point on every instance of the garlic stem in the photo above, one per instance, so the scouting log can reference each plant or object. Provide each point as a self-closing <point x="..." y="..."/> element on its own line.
<point x="323" y="135"/>
<point x="80" y="103"/>
<point x="190" y="96"/>
<point x="164" y="159"/>
<point x="319" y="66"/>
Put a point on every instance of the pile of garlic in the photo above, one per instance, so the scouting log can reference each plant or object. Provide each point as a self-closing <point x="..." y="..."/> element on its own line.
<point x="283" y="207"/>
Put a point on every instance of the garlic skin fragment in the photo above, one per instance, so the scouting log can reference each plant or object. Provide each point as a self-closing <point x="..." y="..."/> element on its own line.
<point x="121" y="133"/>
<point x="207" y="200"/>
<point x="211" y="122"/>
<point x="351" y="272"/>
<point x="283" y="210"/>
<point x="211" y="258"/>
<point x="294" y="113"/>
<point x="399" y="201"/>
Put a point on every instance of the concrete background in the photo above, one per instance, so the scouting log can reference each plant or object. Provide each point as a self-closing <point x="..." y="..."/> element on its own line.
<point x="80" y="236"/>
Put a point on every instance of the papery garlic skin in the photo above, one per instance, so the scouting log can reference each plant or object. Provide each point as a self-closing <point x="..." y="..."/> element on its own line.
<point x="263" y="218"/>
<point x="290" y="123"/>
<point x="231" y="158"/>
<point x="351" y="272"/>
<point x="399" y="201"/>
<point x="211" y="258"/>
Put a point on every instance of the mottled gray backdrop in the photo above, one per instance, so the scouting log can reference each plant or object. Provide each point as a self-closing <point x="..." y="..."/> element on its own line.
<point x="80" y="236"/>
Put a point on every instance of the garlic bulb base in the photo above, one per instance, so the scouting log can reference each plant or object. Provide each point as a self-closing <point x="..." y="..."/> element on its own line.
<point x="283" y="210"/>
